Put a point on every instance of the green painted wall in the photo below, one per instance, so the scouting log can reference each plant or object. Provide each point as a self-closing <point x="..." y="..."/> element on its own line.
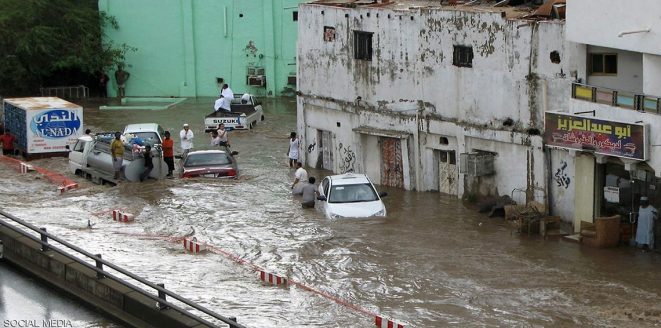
<point x="184" y="45"/>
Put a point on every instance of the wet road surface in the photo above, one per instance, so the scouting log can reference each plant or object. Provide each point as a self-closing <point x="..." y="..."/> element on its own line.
<point x="433" y="262"/>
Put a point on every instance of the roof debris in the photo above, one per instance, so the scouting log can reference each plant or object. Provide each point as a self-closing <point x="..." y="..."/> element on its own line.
<point x="551" y="9"/>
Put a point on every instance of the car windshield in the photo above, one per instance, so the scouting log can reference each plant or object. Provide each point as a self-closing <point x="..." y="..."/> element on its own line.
<point x="207" y="159"/>
<point x="352" y="193"/>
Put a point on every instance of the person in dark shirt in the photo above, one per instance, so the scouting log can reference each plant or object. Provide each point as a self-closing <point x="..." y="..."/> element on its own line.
<point x="149" y="163"/>
<point x="103" y="85"/>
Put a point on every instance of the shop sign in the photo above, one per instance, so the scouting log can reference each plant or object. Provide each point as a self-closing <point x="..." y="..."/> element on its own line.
<point x="52" y="130"/>
<point x="610" y="138"/>
<point x="612" y="194"/>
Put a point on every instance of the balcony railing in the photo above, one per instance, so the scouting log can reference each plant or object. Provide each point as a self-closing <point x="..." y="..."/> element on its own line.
<point x="67" y="92"/>
<point x="616" y="98"/>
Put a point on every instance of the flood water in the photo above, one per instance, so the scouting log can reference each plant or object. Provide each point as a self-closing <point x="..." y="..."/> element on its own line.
<point x="433" y="262"/>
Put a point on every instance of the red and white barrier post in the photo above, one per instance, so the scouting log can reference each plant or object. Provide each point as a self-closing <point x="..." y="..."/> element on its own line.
<point x="386" y="323"/>
<point x="194" y="246"/>
<point x="121" y="216"/>
<point x="272" y="279"/>
<point x="25" y="167"/>
<point x="67" y="187"/>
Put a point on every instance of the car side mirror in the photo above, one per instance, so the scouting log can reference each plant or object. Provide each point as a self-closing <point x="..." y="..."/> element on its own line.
<point x="383" y="194"/>
<point x="321" y="198"/>
<point x="67" y="148"/>
<point x="234" y="153"/>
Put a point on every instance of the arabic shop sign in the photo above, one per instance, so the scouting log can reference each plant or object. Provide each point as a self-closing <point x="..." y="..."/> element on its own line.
<point x="55" y="124"/>
<point x="603" y="137"/>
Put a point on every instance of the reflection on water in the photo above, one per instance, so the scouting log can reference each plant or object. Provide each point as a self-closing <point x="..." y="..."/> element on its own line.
<point x="432" y="262"/>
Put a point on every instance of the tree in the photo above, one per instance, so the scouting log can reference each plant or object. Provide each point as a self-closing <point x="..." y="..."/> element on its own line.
<point x="39" y="38"/>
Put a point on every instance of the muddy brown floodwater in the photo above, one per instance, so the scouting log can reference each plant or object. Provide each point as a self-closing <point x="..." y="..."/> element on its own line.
<point x="432" y="262"/>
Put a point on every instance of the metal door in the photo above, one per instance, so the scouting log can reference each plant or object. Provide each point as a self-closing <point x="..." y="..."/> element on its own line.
<point x="391" y="162"/>
<point x="447" y="172"/>
<point x="326" y="149"/>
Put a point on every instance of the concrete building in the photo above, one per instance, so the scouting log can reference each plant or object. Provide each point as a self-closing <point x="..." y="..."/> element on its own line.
<point x="427" y="96"/>
<point x="605" y="153"/>
<point x="184" y="46"/>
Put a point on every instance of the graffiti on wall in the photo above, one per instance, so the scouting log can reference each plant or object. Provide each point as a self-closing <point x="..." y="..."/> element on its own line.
<point x="561" y="177"/>
<point x="347" y="160"/>
<point x="250" y="48"/>
<point x="312" y="146"/>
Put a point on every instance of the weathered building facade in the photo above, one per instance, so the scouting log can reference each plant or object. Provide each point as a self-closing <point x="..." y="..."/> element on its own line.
<point x="603" y="147"/>
<point x="447" y="98"/>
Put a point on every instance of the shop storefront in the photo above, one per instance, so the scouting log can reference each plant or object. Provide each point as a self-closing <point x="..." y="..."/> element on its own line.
<point x="610" y="168"/>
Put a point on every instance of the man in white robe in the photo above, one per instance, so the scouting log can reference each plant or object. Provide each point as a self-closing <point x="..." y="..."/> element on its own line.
<point x="217" y="104"/>
<point x="646" y="217"/>
<point x="226" y="95"/>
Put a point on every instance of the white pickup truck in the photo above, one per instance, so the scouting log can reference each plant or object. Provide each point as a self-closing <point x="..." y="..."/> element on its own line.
<point x="90" y="157"/>
<point x="243" y="115"/>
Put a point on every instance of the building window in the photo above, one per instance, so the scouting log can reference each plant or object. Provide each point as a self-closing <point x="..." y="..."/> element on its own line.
<point x="362" y="45"/>
<point x="603" y="64"/>
<point x="329" y="34"/>
<point x="295" y="16"/>
<point x="462" y="56"/>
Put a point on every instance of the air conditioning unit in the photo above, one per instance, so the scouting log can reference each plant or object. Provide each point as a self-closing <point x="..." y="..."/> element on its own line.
<point x="256" y="80"/>
<point x="477" y="164"/>
<point x="291" y="79"/>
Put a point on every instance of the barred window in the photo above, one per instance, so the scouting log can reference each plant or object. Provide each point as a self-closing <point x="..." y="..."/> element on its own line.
<point x="362" y="45"/>
<point x="462" y="56"/>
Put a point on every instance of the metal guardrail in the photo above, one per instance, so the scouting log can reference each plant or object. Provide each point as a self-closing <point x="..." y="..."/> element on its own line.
<point x="161" y="302"/>
<point x="69" y="92"/>
<point x="617" y="98"/>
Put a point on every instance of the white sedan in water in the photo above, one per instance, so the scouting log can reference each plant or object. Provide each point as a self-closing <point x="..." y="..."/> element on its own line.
<point x="350" y="195"/>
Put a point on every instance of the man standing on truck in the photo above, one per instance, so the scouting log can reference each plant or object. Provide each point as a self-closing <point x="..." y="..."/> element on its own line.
<point x="168" y="152"/>
<point x="117" y="152"/>
<point x="227" y="95"/>
<point x="7" y="140"/>
<point x="186" y="136"/>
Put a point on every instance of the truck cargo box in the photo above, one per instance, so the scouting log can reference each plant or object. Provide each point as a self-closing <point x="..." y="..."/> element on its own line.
<point x="43" y="126"/>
